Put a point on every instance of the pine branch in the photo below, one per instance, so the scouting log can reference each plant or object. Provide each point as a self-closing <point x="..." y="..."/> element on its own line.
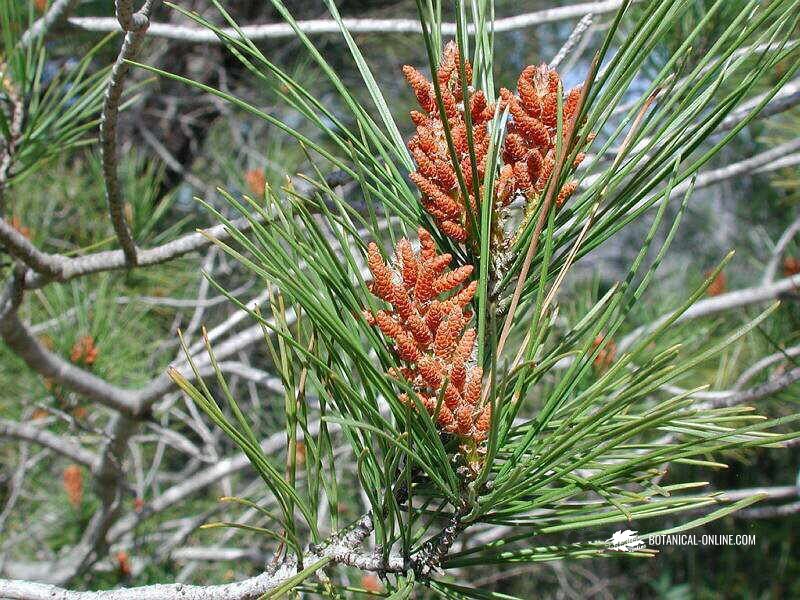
<point x="331" y="264"/>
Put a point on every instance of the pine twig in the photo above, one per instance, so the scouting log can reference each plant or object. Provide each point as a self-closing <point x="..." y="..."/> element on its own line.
<point x="429" y="558"/>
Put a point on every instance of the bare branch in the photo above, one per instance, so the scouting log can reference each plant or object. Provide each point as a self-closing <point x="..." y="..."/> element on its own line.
<point x="234" y="319"/>
<point x="131" y="402"/>
<point x="49" y="364"/>
<point x="70" y="268"/>
<point x="248" y="589"/>
<point x="61" y="445"/>
<point x="130" y="21"/>
<point x="728" y="398"/>
<point x="217" y="553"/>
<point x="770" y="493"/>
<point x="573" y="40"/>
<point x="55" y="14"/>
<point x="769" y="512"/>
<point x="773" y="386"/>
<point x="109" y="481"/>
<point x="177" y="441"/>
<point x="56" y="267"/>
<point x="787" y="97"/>
<point x="14" y="484"/>
<point x="205" y="478"/>
<point x="326" y="26"/>
<point x="783" y="155"/>
<point x="135" y="26"/>
<point x="13" y="292"/>
<point x="780" y="247"/>
<point x="743" y="51"/>
<point x="10" y="146"/>
<point x="718" y="304"/>
<point x="759" y="366"/>
<point x="23" y="249"/>
<point x="340" y="549"/>
<point x="770" y="160"/>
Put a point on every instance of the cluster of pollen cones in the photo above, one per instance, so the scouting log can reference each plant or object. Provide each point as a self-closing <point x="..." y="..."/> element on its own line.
<point x="528" y="151"/>
<point x="428" y="322"/>
<point x="429" y="315"/>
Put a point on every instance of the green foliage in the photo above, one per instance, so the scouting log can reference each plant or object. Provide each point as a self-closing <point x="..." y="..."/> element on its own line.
<point x="574" y="450"/>
<point x="61" y="109"/>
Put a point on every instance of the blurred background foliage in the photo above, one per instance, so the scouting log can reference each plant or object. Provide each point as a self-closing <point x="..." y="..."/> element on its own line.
<point x="179" y="144"/>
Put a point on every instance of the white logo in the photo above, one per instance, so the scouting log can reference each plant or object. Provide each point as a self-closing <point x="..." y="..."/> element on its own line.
<point x="625" y="541"/>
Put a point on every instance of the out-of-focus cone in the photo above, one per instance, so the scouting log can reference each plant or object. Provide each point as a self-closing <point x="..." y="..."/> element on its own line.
<point x="73" y="484"/>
